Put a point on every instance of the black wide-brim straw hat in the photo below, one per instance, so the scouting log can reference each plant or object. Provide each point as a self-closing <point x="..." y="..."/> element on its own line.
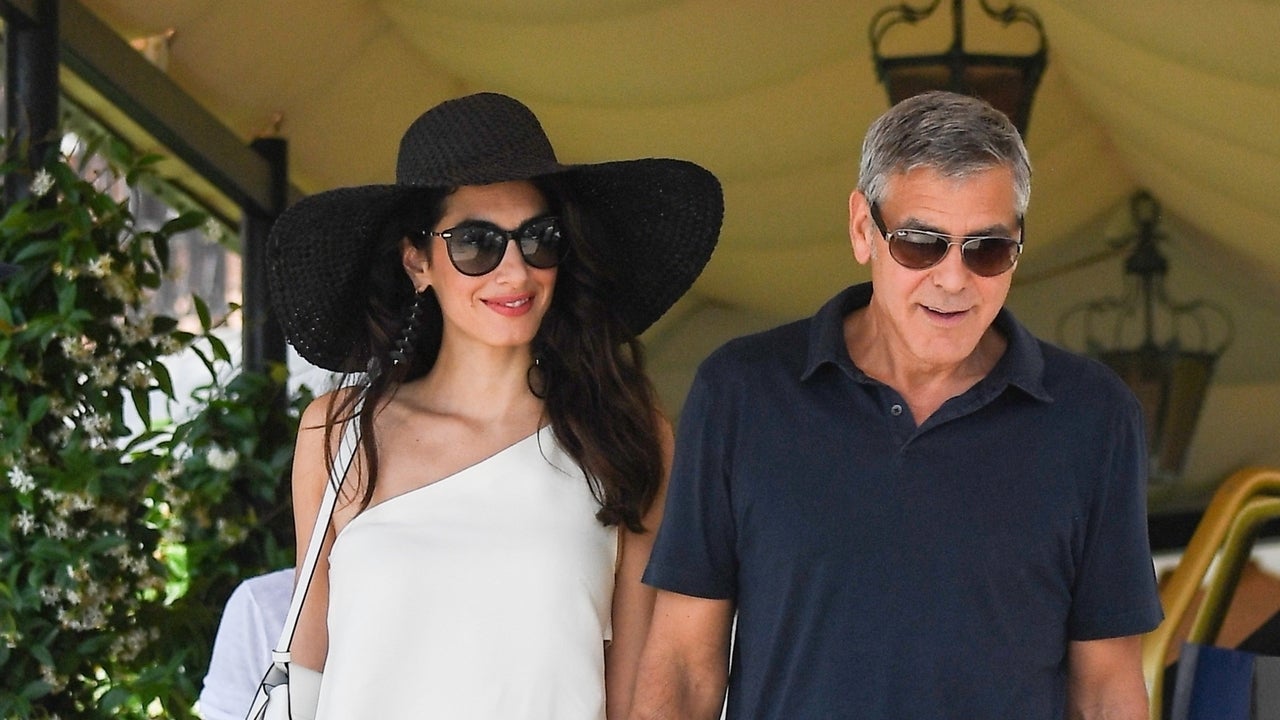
<point x="662" y="218"/>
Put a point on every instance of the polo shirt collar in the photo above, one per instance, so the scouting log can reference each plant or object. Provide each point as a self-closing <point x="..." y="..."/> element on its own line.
<point x="1021" y="366"/>
<point x="826" y="332"/>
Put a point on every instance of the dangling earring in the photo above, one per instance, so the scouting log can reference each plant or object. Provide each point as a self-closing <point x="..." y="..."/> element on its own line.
<point x="536" y="378"/>
<point x="402" y="349"/>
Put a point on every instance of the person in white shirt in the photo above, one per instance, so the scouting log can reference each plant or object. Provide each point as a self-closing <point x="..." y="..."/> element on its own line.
<point x="250" y="627"/>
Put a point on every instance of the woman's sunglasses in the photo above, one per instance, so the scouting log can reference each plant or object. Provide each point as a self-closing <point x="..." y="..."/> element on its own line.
<point x="476" y="248"/>
<point x="985" y="255"/>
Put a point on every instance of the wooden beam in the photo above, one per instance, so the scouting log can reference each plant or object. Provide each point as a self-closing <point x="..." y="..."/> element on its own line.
<point x="95" y="53"/>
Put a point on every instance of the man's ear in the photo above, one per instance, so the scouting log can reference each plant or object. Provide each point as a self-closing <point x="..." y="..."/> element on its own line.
<point x="862" y="230"/>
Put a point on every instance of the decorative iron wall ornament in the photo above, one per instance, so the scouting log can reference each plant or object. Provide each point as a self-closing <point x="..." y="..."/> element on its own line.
<point x="1008" y="82"/>
<point x="1164" y="350"/>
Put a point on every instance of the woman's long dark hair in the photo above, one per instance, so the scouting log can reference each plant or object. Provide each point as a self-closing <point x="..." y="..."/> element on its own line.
<point x="599" y="400"/>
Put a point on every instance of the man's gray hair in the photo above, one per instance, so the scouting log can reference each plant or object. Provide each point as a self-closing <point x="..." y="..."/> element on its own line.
<point x="954" y="135"/>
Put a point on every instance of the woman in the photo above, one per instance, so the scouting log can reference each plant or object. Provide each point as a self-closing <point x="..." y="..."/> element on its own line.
<point x="485" y="555"/>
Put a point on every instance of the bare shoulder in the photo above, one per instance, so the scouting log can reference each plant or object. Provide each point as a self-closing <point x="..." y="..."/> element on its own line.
<point x="310" y="458"/>
<point x="316" y="412"/>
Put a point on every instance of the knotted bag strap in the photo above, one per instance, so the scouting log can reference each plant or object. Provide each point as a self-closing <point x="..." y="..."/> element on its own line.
<point x="337" y="474"/>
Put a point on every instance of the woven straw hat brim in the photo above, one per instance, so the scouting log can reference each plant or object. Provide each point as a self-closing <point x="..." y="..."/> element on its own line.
<point x="318" y="259"/>
<point x="662" y="219"/>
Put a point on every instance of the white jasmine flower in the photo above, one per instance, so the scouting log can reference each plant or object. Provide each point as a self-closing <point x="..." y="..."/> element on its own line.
<point x="81" y="502"/>
<point x="77" y="350"/>
<point x="59" y="407"/>
<point x="21" y="480"/>
<point x="134" y="332"/>
<point x="135" y="641"/>
<point x="117" y="591"/>
<point x="118" y="551"/>
<point x="99" y="267"/>
<point x="99" y="425"/>
<point x="213" y="229"/>
<point x="115" y="515"/>
<point x="105" y="374"/>
<point x="139" y="566"/>
<point x="119" y="288"/>
<point x="60" y="436"/>
<point x="42" y="183"/>
<point x="25" y="522"/>
<point x="222" y="460"/>
<point x="170" y="345"/>
<point x="95" y="619"/>
<point x="137" y="378"/>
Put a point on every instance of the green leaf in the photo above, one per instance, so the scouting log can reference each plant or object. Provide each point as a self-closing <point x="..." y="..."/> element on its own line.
<point x="113" y="699"/>
<point x="186" y="221"/>
<point x="35" y="689"/>
<point x="38" y="409"/>
<point x="219" y="348"/>
<point x="66" y="298"/>
<point x="142" y="403"/>
<point x="202" y="310"/>
<point x="204" y="358"/>
<point x="41" y="654"/>
<point x="35" y="250"/>
<point x="161" y="373"/>
<point x="161" y="245"/>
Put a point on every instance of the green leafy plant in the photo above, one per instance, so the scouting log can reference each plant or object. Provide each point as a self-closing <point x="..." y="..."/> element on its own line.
<point x="122" y="528"/>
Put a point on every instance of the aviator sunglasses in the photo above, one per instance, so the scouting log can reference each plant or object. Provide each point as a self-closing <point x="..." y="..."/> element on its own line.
<point x="985" y="255"/>
<point x="475" y="248"/>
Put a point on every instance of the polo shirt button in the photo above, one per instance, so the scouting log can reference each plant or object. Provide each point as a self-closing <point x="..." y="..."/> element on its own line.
<point x="896" y="410"/>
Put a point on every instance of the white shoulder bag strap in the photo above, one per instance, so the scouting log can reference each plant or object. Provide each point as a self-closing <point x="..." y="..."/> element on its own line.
<point x="274" y="700"/>
<point x="337" y="474"/>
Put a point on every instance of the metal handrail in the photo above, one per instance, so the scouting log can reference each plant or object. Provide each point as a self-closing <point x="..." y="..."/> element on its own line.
<point x="1210" y="537"/>
<point x="1231" y="561"/>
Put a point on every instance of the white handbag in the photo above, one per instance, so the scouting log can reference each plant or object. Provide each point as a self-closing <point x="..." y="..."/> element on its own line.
<point x="275" y="699"/>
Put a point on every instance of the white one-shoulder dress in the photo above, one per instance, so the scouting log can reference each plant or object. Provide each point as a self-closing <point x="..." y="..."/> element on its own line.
<point x="483" y="595"/>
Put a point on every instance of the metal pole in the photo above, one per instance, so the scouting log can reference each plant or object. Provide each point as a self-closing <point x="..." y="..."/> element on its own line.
<point x="263" y="338"/>
<point x="31" y="86"/>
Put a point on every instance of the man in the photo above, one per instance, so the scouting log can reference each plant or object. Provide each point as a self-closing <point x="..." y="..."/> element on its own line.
<point x="915" y="508"/>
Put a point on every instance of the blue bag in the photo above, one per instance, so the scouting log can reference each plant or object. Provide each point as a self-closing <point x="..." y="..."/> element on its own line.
<point x="1215" y="683"/>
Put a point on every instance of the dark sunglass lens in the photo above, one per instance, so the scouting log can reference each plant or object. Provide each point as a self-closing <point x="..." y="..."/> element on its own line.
<point x="989" y="256"/>
<point x="541" y="243"/>
<point x="916" y="250"/>
<point x="475" y="250"/>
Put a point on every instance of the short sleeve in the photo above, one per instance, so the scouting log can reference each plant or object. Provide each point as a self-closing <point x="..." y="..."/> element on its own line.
<point x="1115" y="591"/>
<point x="694" y="553"/>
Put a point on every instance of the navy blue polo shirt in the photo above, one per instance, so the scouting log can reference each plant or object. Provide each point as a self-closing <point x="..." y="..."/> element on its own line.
<point x="885" y="570"/>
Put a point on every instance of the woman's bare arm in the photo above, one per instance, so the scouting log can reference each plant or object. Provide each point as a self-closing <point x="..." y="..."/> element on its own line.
<point x="632" y="599"/>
